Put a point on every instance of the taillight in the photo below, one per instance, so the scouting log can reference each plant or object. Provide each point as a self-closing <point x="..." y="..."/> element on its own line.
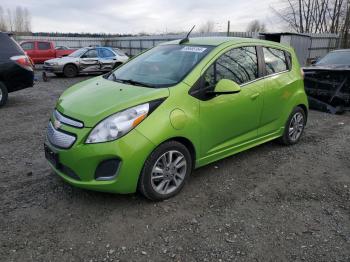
<point x="23" y="61"/>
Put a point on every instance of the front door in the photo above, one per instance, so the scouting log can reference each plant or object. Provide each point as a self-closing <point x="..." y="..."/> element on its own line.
<point x="230" y="120"/>
<point x="89" y="62"/>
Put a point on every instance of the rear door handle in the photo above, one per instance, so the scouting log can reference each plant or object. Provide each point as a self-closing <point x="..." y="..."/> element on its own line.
<point x="254" y="96"/>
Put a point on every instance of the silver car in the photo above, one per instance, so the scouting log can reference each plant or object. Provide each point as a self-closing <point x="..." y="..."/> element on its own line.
<point x="86" y="60"/>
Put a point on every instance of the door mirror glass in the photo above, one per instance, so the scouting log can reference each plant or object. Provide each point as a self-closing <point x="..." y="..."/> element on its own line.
<point x="226" y="86"/>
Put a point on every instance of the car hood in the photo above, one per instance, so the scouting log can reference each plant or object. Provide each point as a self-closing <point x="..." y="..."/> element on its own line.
<point x="97" y="98"/>
<point x="327" y="67"/>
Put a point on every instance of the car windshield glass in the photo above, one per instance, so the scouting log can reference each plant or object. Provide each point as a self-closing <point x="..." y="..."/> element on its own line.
<point x="335" y="58"/>
<point x="78" y="53"/>
<point x="162" y="66"/>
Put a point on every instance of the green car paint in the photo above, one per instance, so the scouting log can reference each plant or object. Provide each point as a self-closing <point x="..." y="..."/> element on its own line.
<point x="254" y="113"/>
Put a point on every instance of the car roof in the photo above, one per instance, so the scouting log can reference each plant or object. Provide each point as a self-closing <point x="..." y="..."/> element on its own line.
<point x="216" y="41"/>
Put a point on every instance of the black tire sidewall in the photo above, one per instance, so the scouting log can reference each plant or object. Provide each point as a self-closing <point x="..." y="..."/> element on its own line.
<point x="286" y="138"/>
<point x="145" y="186"/>
<point x="4" y="94"/>
<point x="70" y="66"/>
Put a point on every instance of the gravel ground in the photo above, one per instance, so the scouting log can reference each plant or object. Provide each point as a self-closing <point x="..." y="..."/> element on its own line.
<point x="271" y="203"/>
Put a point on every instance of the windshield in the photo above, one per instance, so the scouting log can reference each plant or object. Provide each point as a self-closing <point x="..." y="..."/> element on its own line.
<point x="336" y="58"/>
<point x="162" y="66"/>
<point x="78" y="53"/>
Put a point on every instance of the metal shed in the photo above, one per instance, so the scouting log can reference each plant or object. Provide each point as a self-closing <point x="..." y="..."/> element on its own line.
<point x="300" y="42"/>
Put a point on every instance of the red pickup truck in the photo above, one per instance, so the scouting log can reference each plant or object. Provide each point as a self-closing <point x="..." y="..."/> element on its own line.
<point x="40" y="51"/>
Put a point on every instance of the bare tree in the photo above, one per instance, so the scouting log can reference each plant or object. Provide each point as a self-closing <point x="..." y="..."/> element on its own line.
<point x="3" y="25"/>
<point x="345" y="31"/>
<point x="256" y="26"/>
<point x="18" y="20"/>
<point x="313" y="16"/>
<point x="207" y="27"/>
<point x="9" y="18"/>
<point x="27" y="19"/>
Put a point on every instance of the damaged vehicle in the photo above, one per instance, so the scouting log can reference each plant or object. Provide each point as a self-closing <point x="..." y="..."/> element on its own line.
<point x="85" y="61"/>
<point x="327" y="82"/>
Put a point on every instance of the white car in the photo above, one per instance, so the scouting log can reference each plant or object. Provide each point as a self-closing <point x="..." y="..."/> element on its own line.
<point x="86" y="60"/>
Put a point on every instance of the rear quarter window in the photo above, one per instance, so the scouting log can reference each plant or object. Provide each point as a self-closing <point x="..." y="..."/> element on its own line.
<point x="8" y="47"/>
<point x="275" y="60"/>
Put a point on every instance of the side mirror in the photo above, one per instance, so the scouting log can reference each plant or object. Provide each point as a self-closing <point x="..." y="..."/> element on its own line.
<point x="226" y="86"/>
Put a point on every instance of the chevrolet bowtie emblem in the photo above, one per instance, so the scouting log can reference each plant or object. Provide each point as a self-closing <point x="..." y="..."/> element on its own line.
<point x="57" y="124"/>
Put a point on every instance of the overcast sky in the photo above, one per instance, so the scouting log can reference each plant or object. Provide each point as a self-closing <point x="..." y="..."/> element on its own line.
<point x="150" y="16"/>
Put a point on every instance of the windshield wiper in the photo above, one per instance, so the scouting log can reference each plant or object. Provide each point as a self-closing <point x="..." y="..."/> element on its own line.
<point x="132" y="82"/>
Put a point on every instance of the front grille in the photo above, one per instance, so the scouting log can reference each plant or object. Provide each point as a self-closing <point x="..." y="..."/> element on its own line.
<point x="59" y="138"/>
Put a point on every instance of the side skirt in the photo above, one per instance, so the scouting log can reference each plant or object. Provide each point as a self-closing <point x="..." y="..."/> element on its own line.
<point x="238" y="148"/>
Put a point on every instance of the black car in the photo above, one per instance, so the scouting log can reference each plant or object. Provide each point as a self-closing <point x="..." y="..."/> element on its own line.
<point x="327" y="82"/>
<point x="16" y="69"/>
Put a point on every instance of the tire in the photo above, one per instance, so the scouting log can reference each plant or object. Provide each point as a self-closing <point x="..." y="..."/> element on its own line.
<point x="294" y="127"/>
<point x="161" y="180"/>
<point x="3" y="94"/>
<point x="70" y="70"/>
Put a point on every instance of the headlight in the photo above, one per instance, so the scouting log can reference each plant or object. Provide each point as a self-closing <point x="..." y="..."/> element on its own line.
<point x="118" y="124"/>
<point x="53" y="63"/>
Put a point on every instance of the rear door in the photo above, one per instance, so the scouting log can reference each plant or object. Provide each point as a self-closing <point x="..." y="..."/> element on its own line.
<point x="107" y="59"/>
<point x="277" y="83"/>
<point x="44" y="51"/>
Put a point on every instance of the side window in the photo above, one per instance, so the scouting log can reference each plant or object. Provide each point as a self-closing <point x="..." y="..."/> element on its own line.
<point x="275" y="60"/>
<point x="105" y="53"/>
<point x="239" y="65"/>
<point x="90" y="54"/>
<point x="44" y="46"/>
<point x="289" y="60"/>
<point x="27" y="46"/>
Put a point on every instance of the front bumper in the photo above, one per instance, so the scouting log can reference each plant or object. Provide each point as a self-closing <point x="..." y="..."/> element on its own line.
<point x="83" y="159"/>
<point x="53" y="69"/>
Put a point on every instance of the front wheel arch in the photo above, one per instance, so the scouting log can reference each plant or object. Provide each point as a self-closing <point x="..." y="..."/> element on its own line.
<point x="71" y="64"/>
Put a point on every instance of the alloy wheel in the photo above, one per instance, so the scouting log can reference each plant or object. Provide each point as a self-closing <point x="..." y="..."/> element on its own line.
<point x="169" y="172"/>
<point x="296" y="126"/>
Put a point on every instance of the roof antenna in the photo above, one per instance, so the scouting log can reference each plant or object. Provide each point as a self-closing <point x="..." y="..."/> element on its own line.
<point x="182" y="41"/>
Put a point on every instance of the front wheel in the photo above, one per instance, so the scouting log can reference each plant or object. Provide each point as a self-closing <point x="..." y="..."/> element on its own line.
<point x="294" y="127"/>
<point x="70" y="70"/>
<point x="3" y="94"/>
<point x="165" y="171"/>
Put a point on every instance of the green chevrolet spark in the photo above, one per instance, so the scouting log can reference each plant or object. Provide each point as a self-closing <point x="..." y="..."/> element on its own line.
<point x="179" y="106"/>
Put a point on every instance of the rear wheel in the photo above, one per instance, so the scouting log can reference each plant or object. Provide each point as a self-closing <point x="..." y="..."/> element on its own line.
<point x="294" y="127"/>
<point x="70" y="70"/>
<point x="165" y="171"/>
<point x="3" y="94"/>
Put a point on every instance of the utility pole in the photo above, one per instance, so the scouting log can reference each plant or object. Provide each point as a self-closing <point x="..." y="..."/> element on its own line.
<point x="228" y="28"/>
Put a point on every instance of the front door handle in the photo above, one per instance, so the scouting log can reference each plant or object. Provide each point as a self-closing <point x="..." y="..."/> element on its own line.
<point x="254" y="96"/>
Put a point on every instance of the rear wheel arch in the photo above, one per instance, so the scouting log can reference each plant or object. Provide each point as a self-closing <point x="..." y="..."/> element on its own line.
<point x="4" y="93"/>
<point x="117" y="64"/>
<point x="304" y="107"/>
